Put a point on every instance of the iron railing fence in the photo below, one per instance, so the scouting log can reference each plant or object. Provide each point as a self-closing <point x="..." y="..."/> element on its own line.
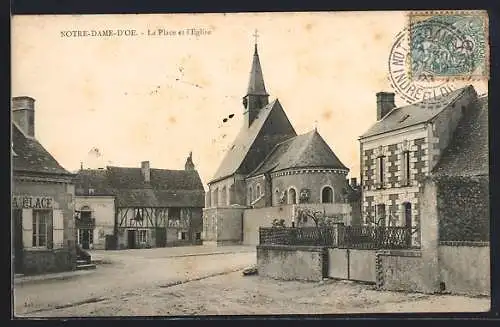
<point x="354" y="237"/>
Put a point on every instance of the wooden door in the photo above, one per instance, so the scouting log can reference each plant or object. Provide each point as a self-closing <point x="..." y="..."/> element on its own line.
<point x="161" y="237"/>
<point x="131" y="239"/>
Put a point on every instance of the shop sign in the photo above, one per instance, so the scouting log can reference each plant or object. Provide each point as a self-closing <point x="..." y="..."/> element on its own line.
<point x="32" y="202"/>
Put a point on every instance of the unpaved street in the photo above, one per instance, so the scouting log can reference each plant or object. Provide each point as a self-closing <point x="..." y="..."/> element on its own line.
<point x="233" y="294"/>
<point x="162" y="283"/>
<point x="129" y="271"/>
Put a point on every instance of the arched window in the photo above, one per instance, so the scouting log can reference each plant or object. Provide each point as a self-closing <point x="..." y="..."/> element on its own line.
<point x="250" y="195"/>
<point x="292" y="196"/>
<point x="223" y="196"/>
<point x="215" y="197"/>
<point x="277" y="196"/>
<point x="327" y="195"/>
<point x="258" y="191"/>
<point x="85" y="213"/>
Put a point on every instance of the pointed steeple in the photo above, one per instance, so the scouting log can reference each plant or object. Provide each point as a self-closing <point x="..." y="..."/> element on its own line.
<point x="256" y="84"/>
<point x="257" y="96"/>
<point x="189" y="165"/>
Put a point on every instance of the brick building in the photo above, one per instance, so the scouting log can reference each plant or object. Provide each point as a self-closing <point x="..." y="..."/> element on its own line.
<point x="402" y="148"/>
<point x="42" y="200"/>
<point x="269" y="165"/>
<point x="142" y="207"/>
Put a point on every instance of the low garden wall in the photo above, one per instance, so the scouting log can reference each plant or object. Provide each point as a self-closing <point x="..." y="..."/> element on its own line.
<point x="291" y="262"/>
<point x="465" y="267"/>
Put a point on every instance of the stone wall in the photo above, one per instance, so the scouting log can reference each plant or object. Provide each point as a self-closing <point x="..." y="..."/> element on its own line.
<point x="263" y="217"/>
<point x="314" y="181"/>
<point x="291" y="262"/>
<point x="465" y="269"/>
<point x="400" y="271"/>
<point x="223" y="225"/>
<point x="48" y="261"/>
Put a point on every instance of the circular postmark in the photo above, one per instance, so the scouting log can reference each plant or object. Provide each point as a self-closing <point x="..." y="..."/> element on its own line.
<point x="421" y="65"/>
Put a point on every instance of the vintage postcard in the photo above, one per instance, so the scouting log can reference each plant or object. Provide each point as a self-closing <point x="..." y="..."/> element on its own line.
<point x="250" y="164"/>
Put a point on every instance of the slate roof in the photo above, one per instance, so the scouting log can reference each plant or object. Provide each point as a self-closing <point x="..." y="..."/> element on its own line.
<point x="467" y="153"/>
<point x="307" y="150"/>
<point x="30" y="156"/>
<point x="167" y="188"/>
<point x="244" y="140"/>
<point x="256" y="84"/>
<point x="413" y="114"/>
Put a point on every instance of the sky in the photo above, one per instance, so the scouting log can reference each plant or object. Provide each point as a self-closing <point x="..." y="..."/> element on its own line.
<point x="158" y="97"/>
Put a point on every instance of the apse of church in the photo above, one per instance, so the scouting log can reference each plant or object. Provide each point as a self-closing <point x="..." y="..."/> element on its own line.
<point x="270" y="165"/>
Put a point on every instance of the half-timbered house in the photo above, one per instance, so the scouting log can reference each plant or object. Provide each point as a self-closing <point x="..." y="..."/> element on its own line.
<point x="152" y="207"/>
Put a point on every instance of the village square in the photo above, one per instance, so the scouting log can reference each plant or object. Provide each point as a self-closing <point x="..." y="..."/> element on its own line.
<point x="282" y="226"/>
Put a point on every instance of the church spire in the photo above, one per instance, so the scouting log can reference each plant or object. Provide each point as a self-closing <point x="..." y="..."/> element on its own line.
<point x="257" y="96"/>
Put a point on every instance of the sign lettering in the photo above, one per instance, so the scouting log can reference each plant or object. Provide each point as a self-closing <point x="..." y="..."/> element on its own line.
<point x="32" y="202"/>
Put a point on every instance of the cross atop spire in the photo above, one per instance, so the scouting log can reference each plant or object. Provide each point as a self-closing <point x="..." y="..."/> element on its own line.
<point x="256" y="35"/>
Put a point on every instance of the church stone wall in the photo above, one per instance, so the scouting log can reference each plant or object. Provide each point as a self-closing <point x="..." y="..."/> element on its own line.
<point x="312" y="181"/>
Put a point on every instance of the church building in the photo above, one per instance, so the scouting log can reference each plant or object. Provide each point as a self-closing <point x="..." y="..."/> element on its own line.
<point x="269" y="165"/>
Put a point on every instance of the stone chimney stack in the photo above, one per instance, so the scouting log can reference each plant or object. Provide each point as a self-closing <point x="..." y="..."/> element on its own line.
<point x="354" y="182"/>
<point x="23" y="114"/>
<point x="385" y="103"/>
<point x="146" y="171"/>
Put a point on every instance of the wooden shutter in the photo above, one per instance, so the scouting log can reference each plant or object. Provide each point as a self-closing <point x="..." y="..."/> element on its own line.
<point x="377" y="172"/>
<point x="27" y="228"/>
<point x="58" y="228"/>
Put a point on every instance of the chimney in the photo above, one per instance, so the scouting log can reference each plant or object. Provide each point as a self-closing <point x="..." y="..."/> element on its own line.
<point x="354" y="182"/>
<point x="23" y="114"/>
<point x="146" y="171"/>
<point x="385" y="103"/>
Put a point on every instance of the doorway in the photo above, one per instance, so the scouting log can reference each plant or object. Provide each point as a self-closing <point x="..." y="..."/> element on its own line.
<point x="17" y="253"/>
<point x="381" y="215"/>
<point x="408" y="220"/>
<point x="86" y="237"/>
<point x="161" y="237"/>
<point x="131" y="238"/>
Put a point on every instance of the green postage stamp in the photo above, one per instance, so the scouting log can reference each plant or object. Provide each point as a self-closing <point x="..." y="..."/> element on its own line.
<point x="449" y="45"/>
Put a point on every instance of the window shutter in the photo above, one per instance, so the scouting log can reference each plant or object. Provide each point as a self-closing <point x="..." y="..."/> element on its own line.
<point x="58" y="229"/>
<point x="27" y="228"/>
<point x="377" y="172"/>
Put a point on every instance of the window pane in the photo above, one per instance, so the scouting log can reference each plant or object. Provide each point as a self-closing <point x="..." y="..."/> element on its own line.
<point x="34" y="240"/>
<point x="42" y="240"/>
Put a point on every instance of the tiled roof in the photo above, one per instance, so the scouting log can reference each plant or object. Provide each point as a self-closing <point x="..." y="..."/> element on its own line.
<point x="167" y="188"/>
<point x="30" y="156"/>
<point x="412" y="114"/>
<point x="95" y="179"/>
<point x="244" y="140"/>
<point x="467" y="153"/>
<point x="301" y="151"/>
